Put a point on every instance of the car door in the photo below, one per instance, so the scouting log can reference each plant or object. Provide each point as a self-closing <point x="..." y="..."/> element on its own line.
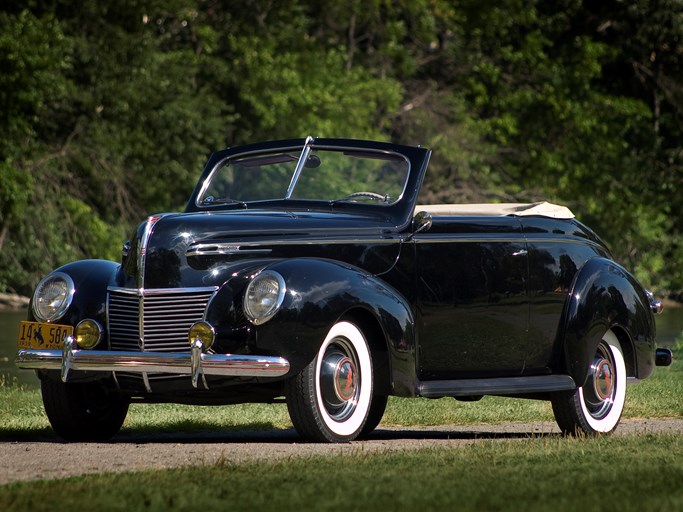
<point x="472" y="298"/>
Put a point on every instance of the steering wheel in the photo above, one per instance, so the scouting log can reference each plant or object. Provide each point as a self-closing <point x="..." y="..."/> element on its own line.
<point x="368" y="195"/>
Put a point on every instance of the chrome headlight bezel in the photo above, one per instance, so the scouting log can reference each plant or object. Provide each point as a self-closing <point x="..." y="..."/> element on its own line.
<point x="264" y="296"/>
<point x="50" y="303"/>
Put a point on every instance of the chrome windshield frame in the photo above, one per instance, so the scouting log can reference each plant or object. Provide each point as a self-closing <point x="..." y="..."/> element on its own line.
<point x="304" y="149"/>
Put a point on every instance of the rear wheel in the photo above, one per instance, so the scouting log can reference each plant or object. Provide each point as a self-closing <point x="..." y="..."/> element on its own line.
<point x="82" y="411"/>
<point x="597" y="405"/>
<point x="330" y="399"/>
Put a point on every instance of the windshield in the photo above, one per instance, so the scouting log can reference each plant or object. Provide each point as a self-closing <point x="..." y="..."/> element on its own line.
<point x="327" y="174"/>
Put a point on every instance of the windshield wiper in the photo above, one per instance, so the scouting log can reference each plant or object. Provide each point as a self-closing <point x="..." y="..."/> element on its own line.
<point x="211" y="201"/>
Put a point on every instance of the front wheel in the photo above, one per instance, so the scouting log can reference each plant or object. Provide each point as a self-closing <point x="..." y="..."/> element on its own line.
<point x="330" y="399"/>
<point x="596" y="406"/>
<point x="82" y="411"/>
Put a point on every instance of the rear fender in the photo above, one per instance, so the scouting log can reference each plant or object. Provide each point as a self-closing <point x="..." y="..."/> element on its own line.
<point x="320" y="293"/>
<point x="605" y="296"/>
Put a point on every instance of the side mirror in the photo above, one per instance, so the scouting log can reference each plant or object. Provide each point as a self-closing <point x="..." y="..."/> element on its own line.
<point x="421" y="222"/>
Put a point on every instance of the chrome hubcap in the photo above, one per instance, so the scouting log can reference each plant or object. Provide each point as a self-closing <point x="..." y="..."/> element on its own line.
<point x="600" y="387"/>
<point x="345" y="379"/>
<point x="603" y="379"/>
<point x="339" y="380"/>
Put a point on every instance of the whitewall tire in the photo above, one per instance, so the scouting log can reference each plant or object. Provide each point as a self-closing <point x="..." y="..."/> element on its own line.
<point x="596" y="406"/>
<point x="330" y="399"/>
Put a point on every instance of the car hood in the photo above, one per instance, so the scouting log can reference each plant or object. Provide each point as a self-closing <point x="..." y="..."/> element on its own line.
<point x="204" y="249"/>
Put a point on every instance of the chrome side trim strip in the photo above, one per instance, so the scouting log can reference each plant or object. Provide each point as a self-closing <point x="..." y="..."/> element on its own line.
<point x="577" y="241"/>
<point x="219" y="249"/>
<point x="450" y="239"/>
<point x="205" y="249"/>
<point x="238" y="248"/>
<point x="447" y="238"/>
<point x="228" y="365"/>
<point x="230" y="248"/>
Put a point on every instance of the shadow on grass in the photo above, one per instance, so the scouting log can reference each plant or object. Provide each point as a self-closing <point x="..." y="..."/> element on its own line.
<point x="9" y="435"/>
<point x="199" y="433"/>
<point x="185" y="431"/>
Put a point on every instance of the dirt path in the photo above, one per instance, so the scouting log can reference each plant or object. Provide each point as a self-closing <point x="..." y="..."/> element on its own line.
<point x="47" y="459"/>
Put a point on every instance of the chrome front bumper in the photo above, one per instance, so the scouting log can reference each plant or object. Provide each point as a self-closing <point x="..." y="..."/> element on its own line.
<point x="194" y="363"/>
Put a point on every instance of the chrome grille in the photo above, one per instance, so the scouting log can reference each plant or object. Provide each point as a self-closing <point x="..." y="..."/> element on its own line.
<point x="168" y="316"/>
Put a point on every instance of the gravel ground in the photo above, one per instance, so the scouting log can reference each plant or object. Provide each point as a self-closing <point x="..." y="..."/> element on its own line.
<point x="43" y="458"/>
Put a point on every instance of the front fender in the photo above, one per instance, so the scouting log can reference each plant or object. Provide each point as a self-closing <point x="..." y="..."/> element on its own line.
<point x="605" y="296"/>
<point x="91" y="279"/>
<point x="321" y="292"/>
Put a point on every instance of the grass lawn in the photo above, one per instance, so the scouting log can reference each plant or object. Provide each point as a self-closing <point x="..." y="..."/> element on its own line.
<point x="641" y="472"/>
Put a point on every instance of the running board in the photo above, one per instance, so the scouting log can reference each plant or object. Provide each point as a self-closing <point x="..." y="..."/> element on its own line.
<point x="497" y="386"/>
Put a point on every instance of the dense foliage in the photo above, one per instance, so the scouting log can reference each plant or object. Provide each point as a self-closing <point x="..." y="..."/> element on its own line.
<point x="109" y="109"/>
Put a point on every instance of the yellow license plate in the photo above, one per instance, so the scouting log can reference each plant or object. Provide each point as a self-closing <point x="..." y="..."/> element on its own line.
<point x="40" y="335"/>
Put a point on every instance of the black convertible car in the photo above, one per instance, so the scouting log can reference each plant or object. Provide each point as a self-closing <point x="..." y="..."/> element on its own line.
<point x="303" y="270"/>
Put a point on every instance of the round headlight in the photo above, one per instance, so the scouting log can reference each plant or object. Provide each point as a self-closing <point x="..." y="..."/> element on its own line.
<point x="88" y="333"/>
<point x="53" y="296"/>
<point x="264" y="296"/>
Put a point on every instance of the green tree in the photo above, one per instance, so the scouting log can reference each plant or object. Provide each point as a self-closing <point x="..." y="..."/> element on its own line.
<point x="108" y="110"/>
